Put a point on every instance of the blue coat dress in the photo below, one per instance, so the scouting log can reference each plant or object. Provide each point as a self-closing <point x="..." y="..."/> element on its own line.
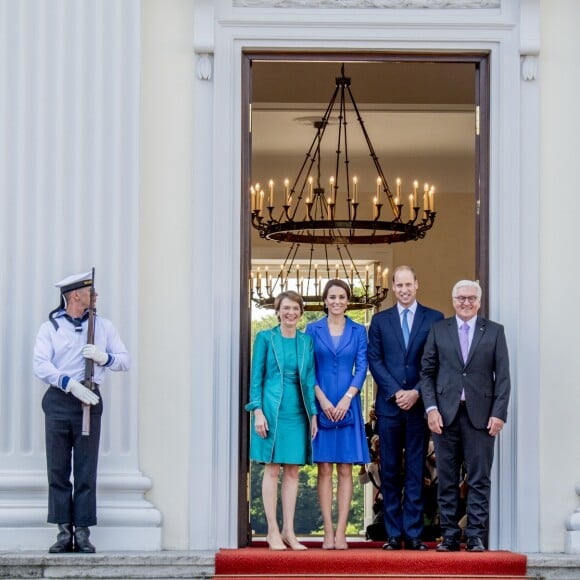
<point x="267" y="391"/>
<point x="336" y="371"/>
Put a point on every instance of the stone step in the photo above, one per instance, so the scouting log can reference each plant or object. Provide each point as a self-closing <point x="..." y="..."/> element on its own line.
<point x="166" y="565"/>
<point x="176" y="564"/>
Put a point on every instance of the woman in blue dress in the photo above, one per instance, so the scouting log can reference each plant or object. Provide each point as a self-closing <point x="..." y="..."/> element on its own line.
<point x="340" y="352"/>
<point x="284" y="420"/>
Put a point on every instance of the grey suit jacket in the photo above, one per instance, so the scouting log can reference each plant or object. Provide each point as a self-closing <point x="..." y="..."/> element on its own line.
<point x="484" y="376"/>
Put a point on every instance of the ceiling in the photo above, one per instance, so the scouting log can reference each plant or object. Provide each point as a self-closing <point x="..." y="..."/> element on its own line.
<point x="409" y="108"/>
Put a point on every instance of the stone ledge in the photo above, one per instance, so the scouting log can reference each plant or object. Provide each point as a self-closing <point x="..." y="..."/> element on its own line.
<point x="108" y="565"/>
<point x="554" y="566"/>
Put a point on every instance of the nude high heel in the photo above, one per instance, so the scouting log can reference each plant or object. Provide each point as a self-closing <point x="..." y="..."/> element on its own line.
<point x="293" y="543"/>
<point x="275" y="543"/>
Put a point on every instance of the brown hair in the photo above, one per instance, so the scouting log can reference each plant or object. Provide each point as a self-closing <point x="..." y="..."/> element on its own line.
<point x="403" y="267"/>
<point x="291" y="295"/>
<point x="335" y="282"/>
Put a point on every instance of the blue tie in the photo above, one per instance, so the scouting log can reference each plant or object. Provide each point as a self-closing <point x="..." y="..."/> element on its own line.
<point x="405" y="327"/>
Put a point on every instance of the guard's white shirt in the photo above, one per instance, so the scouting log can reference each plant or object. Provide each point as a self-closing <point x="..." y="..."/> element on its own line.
<point x="59" y="352"/>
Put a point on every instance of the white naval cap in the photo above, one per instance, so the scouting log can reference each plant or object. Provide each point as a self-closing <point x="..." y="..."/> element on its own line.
<point x="75" y="282"/>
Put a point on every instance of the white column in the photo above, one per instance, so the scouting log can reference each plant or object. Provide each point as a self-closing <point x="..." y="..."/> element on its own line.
<point x="69" y="200"/>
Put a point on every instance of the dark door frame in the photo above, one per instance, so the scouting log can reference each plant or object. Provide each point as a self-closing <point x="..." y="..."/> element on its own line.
<point x="482" y="102"/>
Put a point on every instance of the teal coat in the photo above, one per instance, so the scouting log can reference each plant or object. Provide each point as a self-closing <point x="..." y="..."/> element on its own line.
<point x="266" y="386"/>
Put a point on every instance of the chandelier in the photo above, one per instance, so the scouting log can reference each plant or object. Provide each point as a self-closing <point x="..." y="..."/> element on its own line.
<point x="329" y="221"/>
<point x="368" y="283"/>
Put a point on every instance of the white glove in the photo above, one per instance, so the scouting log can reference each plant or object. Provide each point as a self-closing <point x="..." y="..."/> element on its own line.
<point x="82" y="393"/>
<point x="91" y="351"/>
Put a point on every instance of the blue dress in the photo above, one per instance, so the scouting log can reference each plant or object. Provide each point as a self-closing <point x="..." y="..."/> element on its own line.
<point x="338" y="368"/>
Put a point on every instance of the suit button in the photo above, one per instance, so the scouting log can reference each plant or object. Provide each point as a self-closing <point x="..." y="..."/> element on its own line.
<point x="464" y="374"/>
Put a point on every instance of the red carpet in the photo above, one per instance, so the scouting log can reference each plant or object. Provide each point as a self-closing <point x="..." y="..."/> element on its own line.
<point x="363" y="563"/>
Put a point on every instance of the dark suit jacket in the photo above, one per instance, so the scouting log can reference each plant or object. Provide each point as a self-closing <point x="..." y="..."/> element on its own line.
<point x="485" y="376"/>
<point x="393" y="367"/>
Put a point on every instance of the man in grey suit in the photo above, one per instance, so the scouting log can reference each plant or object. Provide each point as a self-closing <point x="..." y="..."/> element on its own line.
<point x="465" y="383"/>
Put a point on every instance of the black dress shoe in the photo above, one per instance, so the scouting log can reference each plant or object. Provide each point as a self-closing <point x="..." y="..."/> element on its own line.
<point x="82" y="543"/>
<point x="64" y="540"/>
<point x="448" y="545"/>
<point x="415" y="544"/>
<point x="475" y="544"/>
<point x="393" y="543"/>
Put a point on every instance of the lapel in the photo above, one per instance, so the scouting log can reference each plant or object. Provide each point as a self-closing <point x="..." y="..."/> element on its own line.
<point x="277" y="347"/>
<point x="395" y="322"/>
<point x="478" y="332"/>
<point x="417" y="322"/>
<point x="323" y="334"/>
<point x="454" y="338"/>
<point x="300" y="350"/>
<point x="346" y="335"/>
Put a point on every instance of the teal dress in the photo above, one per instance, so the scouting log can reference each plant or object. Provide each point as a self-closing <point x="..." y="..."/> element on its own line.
<point x="291" y="440"/>
<point x="282" y="385"/>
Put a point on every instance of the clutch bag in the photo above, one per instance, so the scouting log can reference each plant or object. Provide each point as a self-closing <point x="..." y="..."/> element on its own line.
<point x="325" y="423"/>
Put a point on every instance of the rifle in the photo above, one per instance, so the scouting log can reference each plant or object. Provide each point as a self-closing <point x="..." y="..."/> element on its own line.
<point x="89" y="363"/>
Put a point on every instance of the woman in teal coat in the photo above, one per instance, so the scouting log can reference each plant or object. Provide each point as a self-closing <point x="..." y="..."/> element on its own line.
<point x="284" y="418"/>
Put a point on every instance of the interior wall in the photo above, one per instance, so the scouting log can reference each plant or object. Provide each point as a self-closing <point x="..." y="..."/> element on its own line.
<point x="446" y="255"/>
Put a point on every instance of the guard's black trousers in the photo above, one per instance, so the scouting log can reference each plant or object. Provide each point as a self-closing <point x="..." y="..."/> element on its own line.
<point x="67" y="450"/>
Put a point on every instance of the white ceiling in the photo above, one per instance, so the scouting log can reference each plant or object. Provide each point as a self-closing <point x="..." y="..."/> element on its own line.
<point x="393" y="133"/>
<point x="417" y="109"/>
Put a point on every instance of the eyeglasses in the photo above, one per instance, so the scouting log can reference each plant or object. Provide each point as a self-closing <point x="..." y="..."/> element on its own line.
<point x="463" y="299"/>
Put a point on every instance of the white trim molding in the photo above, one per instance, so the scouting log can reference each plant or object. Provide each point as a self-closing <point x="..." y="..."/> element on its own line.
<point x="391" y="4"/>
<point x="513" y="281"/>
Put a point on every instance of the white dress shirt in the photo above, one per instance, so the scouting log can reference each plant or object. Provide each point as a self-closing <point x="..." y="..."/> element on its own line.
<point x="410" y="315"/>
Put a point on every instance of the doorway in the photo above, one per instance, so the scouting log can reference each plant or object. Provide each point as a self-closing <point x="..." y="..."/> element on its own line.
<point x="427" y="116"/>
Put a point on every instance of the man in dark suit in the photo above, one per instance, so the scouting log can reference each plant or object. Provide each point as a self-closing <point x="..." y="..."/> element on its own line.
<point x="396" y="340"/>
<point x="465" y="383"/>
<point x="371" y="428"/>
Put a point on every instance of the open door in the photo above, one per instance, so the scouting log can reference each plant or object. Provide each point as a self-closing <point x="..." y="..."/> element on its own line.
<point x="427" y="114"/>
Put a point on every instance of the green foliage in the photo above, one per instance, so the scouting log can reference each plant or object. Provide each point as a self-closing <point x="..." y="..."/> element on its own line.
<point x="263" y="324"/>
<point x="308" y="520"/>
